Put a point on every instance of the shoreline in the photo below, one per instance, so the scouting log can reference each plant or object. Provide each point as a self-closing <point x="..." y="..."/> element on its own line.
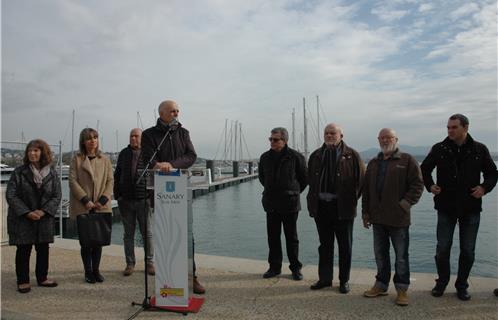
<point x="235" y="289"/>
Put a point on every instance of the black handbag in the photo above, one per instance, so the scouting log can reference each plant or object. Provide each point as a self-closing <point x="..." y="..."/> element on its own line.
<point x="94" y="229"/>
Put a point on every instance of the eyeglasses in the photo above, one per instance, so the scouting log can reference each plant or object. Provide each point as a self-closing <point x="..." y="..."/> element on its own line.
<point x="274" y="139"/>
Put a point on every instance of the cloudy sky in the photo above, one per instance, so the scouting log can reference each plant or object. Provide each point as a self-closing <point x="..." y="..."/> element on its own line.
<point x="405" y="64"/>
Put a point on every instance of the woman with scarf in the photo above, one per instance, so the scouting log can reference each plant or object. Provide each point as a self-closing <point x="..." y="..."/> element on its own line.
<point x="33" y="195"/>
<point x="90" y="184"/>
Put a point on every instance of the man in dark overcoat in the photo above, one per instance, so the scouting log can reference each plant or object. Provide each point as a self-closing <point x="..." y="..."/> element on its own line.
<point x="282" y="172"/>
<point x="335" y="173"/>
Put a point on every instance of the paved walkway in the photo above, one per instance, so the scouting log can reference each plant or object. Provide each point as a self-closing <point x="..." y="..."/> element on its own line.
<point x="235" y="290"/>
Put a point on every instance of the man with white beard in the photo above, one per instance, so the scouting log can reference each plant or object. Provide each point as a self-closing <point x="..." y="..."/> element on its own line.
<point x="393" y="183"/>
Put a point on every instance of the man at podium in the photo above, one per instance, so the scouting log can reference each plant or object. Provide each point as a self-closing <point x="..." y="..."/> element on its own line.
<point x="177" y="151"/>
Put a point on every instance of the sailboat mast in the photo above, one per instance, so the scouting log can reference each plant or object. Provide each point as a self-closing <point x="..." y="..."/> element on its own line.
<point x="240" y="140"/>
<point x="293" y="128"/>
<point x="305" y="130"/>
<point x="318" y="119"/>
<point x="235" y="140"/>
<point x="72" y="137"/>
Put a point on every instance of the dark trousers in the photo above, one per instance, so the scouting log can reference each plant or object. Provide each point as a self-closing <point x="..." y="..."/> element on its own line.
<point x="133" y="210"/>
<point x="468" y="226"/>
<point x="274" y="222"/>
<point x="91" y="258"/>
<point x="329" y="227"/>
<point x="23" y="253"/>
<point x="400" y="239"/>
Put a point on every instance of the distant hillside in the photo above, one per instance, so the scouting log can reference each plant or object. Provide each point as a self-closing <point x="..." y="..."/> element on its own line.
<point x="13" y="157"/>
<point x="419" y="152"/>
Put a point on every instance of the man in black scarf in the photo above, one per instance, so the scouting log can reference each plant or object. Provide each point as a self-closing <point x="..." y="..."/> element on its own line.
<point x="336" y="174"/>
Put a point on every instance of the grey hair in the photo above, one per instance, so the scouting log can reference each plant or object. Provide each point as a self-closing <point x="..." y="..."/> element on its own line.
<point x="283" y="133"/>
<point x="335" y="125"/>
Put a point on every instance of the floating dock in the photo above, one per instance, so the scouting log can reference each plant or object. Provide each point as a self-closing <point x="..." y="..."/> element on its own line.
<point x="204" y="187"/>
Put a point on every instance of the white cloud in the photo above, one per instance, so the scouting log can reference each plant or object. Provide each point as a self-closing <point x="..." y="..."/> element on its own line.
<point x="425" y="7"/>
<point x="246" y="61"/>
<point x="471" y="50"/>
<point x="389" y="15"/>
<point x="465" y="10"/>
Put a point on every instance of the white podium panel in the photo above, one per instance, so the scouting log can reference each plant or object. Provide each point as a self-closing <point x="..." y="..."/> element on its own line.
<point x="170" y="236"/>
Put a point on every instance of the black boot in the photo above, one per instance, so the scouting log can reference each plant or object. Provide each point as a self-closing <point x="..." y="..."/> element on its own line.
<point x="96" y="256"/>
<point x="89" y="277"/>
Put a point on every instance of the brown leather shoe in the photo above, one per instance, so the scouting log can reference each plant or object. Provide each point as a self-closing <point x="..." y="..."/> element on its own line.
<point x="375" y="292"/>
<point x="150" y="269"/>
<point x="48" y="283"/>
<point x="24" y="287"/>
<point x="198" y="288"/>
<point x="402" y="298"/>
<point x="128" y="271"/>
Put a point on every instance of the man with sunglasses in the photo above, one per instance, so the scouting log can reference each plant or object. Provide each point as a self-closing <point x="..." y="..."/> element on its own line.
<point x="282" y="172"/>
<point x="458" y="193"/>
<point x="177" y="151"/>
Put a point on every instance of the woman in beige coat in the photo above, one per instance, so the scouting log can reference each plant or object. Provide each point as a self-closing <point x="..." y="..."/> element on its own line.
<point x="90" y="184"/>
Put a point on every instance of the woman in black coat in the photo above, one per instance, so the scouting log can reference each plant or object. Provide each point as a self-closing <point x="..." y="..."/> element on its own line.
<point x="33" y="195"/>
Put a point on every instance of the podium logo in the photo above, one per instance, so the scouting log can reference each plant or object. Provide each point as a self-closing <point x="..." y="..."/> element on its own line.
<point x="168" y="291"/>
<point x="170" y="186"/>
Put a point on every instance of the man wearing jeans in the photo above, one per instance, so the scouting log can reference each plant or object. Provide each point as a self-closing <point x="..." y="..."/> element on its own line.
<point x="393" y="183"/>
<point x="458" y="193"/>
<point x="132" y="201"/>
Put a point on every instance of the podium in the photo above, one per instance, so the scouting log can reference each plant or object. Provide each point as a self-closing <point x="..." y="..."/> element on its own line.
<point x="173" y="241"/>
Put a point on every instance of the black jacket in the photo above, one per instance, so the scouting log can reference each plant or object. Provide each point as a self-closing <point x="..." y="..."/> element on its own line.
<point x="23" y="196"/>
<point x="177" y="149"/>
<point x="124" y="184"/>
<point x="350" y="173"/>
<point x="283" y="178"/>
<point x="457" y="178"/>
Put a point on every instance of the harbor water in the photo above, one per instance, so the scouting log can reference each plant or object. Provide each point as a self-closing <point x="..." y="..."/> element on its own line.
<point x="231" y="222"/>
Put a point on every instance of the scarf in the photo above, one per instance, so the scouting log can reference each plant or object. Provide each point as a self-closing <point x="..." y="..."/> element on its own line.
<point x="329" y="169"/>
<point x="38" y="175"/>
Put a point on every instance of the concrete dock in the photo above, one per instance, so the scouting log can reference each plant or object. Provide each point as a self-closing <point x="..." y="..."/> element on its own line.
<point x="235" y="290"/>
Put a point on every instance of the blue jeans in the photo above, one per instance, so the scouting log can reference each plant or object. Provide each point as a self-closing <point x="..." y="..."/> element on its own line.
<point x="133" y="210"/>
<point x="399" y="237"/>
<point x="468" y="227"/>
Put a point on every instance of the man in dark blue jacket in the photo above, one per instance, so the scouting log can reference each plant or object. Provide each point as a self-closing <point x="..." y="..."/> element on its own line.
<point x="132" y="201"/>
<point x="282" y="172"/>
<point x="458" y="193"/>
